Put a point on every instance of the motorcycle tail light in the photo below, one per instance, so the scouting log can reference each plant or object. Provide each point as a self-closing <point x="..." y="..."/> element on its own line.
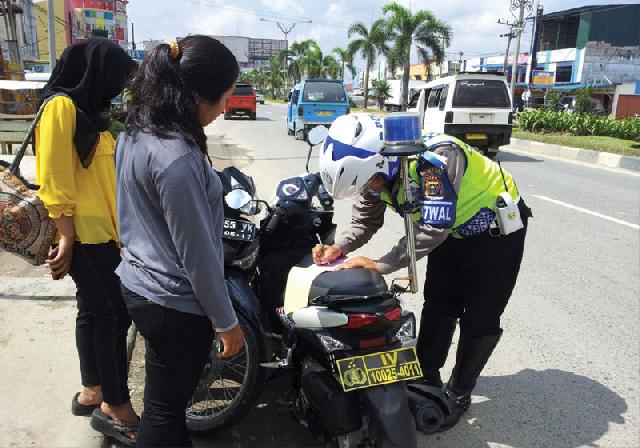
<point x="375" y="342"/>
<point x="394" y="313"/>
<point x="331" y="344"/>
<point x="360" y="320"/>
<point x="407" y="332"/>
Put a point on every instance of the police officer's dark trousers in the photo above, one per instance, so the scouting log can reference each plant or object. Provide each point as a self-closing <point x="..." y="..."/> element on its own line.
<point x="470" y="280"/>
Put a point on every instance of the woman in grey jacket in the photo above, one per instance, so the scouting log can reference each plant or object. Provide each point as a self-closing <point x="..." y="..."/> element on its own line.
<point x="171" y="218"/>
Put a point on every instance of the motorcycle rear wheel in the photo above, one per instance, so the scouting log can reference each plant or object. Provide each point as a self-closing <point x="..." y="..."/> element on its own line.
<point x="228" y="388"/>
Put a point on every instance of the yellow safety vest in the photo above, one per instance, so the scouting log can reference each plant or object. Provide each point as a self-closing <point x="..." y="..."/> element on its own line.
<point x="481" y="184"/>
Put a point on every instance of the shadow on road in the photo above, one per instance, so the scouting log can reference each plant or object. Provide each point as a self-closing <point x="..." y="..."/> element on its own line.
<point x="536" y="408"/>
<point x="269" y="425"/>
<point x="511" y="157"/>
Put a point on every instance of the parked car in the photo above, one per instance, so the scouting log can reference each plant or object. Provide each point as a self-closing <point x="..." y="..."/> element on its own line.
<point x="472" y="106"/>
<point x="241" y="102"/>
<point x="315" y="102"/>
<point x="259" y="96"/>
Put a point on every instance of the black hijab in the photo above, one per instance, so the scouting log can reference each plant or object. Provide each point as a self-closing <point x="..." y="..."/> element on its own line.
<point x="91" y="73"/>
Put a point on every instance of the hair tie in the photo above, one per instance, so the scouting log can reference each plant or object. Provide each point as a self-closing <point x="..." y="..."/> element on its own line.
<point x="174" y="50"/>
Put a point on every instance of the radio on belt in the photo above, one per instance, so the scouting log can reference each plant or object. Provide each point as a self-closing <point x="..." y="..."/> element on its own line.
<point x="508" y="214"/>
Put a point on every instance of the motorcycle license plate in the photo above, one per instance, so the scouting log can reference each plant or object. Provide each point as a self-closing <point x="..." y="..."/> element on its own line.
<point x="476" y="136"/>
<point x="238" y="230"/>
<point x="360" y="372"/>
<point x="325" y="113"/>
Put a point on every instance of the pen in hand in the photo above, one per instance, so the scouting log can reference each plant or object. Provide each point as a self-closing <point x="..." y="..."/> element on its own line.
<point x="321" y="243"/>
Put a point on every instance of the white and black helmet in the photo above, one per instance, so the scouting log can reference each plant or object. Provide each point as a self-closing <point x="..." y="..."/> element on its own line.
<point x="351" y="156"/>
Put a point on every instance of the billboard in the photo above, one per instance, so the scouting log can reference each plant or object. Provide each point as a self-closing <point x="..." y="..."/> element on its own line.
<point x="542" y="79"/>
<point x="106" y="18"/>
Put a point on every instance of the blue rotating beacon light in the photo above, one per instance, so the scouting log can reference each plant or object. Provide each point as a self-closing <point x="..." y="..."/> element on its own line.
<point x="403" y="139"/>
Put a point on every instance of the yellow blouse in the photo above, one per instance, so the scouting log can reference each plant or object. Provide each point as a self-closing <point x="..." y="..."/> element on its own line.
<point x="66" y="187"/>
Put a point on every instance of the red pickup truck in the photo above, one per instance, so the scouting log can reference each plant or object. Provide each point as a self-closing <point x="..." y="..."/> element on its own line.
<point x="242" y="102"/>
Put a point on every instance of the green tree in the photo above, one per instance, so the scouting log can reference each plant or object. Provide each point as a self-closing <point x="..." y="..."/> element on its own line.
<point x="584" y="101"/>
<point x="345" y="59"/>
<point x="404" y="28"/>
<point x="372" y="41"/>
<point x="381" y="91"/>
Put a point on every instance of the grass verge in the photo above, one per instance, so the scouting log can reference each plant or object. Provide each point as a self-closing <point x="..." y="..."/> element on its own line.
<point x="594" y="142"/>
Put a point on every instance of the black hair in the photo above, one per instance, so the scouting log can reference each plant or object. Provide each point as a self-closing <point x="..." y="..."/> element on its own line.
<point x="164" y="92"/>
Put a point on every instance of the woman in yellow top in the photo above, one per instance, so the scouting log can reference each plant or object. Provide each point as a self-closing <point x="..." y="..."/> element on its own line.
<point x="76" y="172"/>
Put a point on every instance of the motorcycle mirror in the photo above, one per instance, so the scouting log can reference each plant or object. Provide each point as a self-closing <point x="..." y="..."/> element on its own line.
<point x="238" y="198"/>
<point x="315" y="136"/>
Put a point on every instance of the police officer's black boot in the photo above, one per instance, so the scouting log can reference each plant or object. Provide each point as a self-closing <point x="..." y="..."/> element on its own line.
<point x="471" y="357"/>
<point x="434" y="341"/>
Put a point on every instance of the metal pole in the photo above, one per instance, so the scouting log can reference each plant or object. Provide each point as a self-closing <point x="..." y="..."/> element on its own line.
<point x="514" y="67"/>
<point x="408" y="225"/>
<point x="52" y="34"/>
<point x="505" y="64"/>
<point x="12" y="38"/>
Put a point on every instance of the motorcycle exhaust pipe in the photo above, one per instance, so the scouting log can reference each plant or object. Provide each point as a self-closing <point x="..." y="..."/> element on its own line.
<point x="427" y="406"/>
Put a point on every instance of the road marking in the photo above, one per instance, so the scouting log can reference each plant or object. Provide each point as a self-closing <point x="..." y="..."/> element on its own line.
<point x="589" y="212"/>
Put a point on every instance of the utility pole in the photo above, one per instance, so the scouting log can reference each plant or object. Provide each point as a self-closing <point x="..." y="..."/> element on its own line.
<point x="51" y="15"/>
<point x="133" y="37"/>
<point x="509" y="36"/>
<point x="286" y="29"/>
<point x="519" y="26"/>
<point x="12" y="33"/>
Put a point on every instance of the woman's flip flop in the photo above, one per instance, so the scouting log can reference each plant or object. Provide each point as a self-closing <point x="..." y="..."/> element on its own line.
<point x="115" y="429"/>
<point x="80" y="409"/>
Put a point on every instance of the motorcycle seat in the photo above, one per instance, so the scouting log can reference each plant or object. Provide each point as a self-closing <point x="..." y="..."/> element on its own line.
<point x="354" y="284"/>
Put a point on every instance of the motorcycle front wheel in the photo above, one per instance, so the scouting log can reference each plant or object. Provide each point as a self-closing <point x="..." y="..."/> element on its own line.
<point x="228" y="388"/>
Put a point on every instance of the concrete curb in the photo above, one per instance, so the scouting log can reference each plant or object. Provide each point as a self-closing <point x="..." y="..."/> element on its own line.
<point x="608" y="159"/>
<point x="131" y="343"/>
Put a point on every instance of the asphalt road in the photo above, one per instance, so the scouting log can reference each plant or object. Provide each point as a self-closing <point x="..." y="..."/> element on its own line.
<point x="566" y="371"/>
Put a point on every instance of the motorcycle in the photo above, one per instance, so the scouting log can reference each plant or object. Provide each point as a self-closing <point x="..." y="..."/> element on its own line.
<point x="349" y="344"/>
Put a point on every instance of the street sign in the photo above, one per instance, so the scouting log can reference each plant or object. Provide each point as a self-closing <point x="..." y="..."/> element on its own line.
<point x="543" y="79"/>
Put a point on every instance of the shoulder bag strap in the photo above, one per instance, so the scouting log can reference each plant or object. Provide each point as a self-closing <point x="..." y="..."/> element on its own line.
<point x="13" y="168"/>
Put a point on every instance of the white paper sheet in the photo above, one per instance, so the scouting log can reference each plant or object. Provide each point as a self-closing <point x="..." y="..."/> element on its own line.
<point x="299" y="282"/>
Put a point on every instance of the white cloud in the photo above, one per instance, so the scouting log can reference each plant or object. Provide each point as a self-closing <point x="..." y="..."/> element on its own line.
<point x="284" y="6"/>
<point x="224" y="22"/>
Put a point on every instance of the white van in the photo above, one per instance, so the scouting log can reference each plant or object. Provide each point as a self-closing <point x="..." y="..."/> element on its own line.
<point x="472" y="106"/>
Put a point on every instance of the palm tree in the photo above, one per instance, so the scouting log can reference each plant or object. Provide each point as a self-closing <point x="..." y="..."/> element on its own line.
<point x="304" y="55"/>
<point x="345" y="59"/>
<point x="381" y="91"/>
<point x="372" y="42"/>
<point x="276" y="73"/>
<point x="422" y="27"/>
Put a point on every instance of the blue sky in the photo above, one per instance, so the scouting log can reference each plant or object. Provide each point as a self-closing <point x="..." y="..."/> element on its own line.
<point x="475" y="31"/>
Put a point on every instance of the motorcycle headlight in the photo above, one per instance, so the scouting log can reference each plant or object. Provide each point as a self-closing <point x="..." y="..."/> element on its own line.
<point x="251" y="208"/>
<point x="407" y="331"/>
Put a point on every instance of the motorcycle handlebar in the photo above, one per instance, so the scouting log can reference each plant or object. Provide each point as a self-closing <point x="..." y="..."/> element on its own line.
<point x="277" y="216"/>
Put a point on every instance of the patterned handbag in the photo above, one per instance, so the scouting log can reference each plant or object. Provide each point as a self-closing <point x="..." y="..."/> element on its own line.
<point x="25" y="227"/>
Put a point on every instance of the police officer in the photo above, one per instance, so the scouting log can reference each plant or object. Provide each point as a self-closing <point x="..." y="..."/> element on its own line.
<point x="472" y="268"/>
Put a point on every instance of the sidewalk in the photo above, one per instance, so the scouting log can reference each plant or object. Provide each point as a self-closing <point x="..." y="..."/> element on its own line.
<point x="584" y="155"/>
<point x="40" y="371"/>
